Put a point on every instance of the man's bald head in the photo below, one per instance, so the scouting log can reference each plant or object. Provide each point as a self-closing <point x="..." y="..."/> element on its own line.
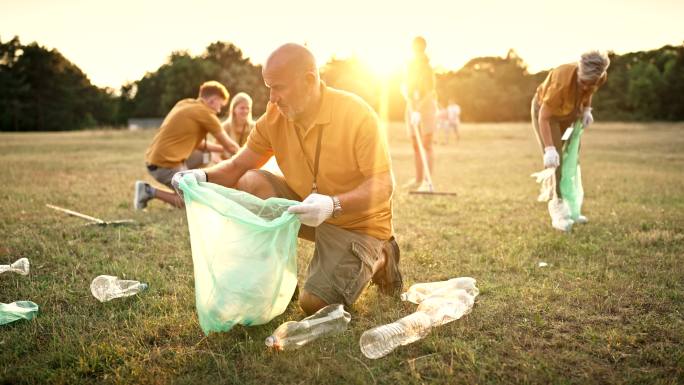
<point x="291" y="59"/>
<point x="292" y="77"/>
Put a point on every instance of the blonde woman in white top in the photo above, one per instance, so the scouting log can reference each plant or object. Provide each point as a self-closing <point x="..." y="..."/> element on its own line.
<point x="239" y="123"/>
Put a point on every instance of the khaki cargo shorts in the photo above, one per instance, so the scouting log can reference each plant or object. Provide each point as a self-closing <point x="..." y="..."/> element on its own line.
<point x="164" y="175"/>
<point x="342" y="264"/>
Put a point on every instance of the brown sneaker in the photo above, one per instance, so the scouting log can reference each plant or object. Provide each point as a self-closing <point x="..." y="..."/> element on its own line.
<point x="388" y="278"/>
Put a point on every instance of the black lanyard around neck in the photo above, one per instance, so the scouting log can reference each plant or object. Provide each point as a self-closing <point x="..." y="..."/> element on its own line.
<point x="314" y="168"/>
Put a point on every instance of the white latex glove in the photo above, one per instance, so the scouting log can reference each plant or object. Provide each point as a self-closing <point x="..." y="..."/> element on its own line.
<point x="314" y="210"/>
<point x="199" y="175"/>
<point x="415" y="118"/>
<point x="587" y="117"/>
<point x="551" y="158"/>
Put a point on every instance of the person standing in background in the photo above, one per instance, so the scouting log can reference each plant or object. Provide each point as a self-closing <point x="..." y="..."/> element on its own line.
<point x="453" y="118"/>
<point x="421" y="108"/>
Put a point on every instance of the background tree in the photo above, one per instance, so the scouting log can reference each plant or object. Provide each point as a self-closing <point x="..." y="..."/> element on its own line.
<point x="645" y="85"/>
<point x="157" y="92"/>
<point x="42" y="90"/>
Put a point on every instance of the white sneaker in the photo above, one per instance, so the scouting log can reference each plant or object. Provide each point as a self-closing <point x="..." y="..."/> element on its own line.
<point x="411" y="185"/>
<point x="581" y="220"/>
<point x="143" y="193"/>
<point x="425" y="187"/>
<point x="560" y="215"/>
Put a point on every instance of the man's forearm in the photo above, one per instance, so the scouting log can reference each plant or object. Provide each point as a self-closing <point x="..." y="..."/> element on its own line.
<point x="228" y="144"/>
<point x="211" y="147"/>
<point x="225" y="173"/>
<point x="545" y="127"/>
<point x="372" y="192"/>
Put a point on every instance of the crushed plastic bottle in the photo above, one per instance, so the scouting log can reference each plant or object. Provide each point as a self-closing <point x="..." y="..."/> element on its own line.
<point x="435" y="310"/>
<point x="419" y="291"/>
<point x="10" y="312"/>
<point x="547" y="184"/>
<point x="447" y="306"/>
<point x="294" y="334"/>
<point x="21" y="266"/>
<point x="107" y="287"/>
<point x="380" y="341"/>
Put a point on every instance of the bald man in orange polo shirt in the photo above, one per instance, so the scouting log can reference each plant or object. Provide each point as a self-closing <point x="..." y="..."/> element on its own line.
<point x="334" y="159"/>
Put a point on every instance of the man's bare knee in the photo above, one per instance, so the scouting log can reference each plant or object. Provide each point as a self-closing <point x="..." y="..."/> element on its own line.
<point x="256" y="184"/>
<point x="310" y="303"/>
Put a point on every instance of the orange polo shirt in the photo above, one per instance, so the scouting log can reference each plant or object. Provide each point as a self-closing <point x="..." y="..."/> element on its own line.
<point x="353" y="148"/>
<point x="183" y="129"/>
<point x="560" y="91"/>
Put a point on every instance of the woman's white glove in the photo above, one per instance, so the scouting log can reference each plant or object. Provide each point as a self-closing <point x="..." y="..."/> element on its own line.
<point x="415" y="118"/>
<point x="314" y="210"/>
<point x="587" y="117"/>
<point x="551" y="158"/>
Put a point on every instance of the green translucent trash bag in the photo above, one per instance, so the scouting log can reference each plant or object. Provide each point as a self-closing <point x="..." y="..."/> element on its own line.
<point x="10" y="312"/>
<point x="243" y="252"/>
<point x="571" y="178"/>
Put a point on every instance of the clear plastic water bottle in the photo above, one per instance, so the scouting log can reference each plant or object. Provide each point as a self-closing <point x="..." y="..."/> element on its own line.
<point x="21" y="266"/>
<point x="447" y="306"/>
<point x="433" y="311"/>
<point x="294" y="334"/>
<point x="107" y="287"/>
<point x="380" y="341"/>
<point x="419" y="291"/>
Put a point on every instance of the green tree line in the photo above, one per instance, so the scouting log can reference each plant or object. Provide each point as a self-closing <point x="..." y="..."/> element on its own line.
<point x="40" y="90"/>
<point x="156" y="93"/>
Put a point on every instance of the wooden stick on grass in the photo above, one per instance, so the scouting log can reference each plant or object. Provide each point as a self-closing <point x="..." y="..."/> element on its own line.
<point x="77" y="214"/>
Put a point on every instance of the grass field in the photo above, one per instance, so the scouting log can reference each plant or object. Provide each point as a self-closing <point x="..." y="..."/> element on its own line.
<point x="609" y="308"/>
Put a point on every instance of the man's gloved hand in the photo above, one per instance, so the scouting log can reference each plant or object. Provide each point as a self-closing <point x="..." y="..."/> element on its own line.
<point x="314" y="210"/>
<point x="199" y="175"/>
<point x="415" y="118"/>
<point x="551" y="158"/>
<point x="587" y="117"/>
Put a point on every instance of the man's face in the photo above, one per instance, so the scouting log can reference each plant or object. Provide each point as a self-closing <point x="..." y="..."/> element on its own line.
<point x="216" y="103"/>
<point x="588" y="85"/>
<point x="288" y="90"/>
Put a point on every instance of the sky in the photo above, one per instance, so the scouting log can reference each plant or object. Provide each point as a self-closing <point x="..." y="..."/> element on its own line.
<point x="115" y="42"/>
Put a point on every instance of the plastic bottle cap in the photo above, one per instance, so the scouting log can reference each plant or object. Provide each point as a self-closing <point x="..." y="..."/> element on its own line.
<point x="270" y="341"/>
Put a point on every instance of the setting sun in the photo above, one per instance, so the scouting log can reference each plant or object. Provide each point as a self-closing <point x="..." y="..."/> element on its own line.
<point x="384" y="65"/>
<point x="378" y="33"/>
